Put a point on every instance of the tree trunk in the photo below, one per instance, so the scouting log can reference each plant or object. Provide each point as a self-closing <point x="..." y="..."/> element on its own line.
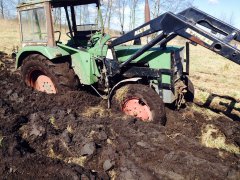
<point x="109" y="14"/>
<point x="2" y="9"/>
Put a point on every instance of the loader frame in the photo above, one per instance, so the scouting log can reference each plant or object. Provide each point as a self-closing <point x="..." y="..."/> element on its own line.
<point x="185" y="24"/>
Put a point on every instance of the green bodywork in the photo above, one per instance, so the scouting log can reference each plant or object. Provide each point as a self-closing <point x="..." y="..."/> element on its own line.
<point x="84" y="60"/>
<point x="154" y="58"/>
<point x="49" y="52"/>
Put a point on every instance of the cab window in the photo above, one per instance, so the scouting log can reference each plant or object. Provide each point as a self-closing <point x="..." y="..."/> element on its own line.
<point x="33" y="25"/>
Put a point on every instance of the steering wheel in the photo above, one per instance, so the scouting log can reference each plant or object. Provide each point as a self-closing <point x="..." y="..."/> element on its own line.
<point x="94" y="40"/>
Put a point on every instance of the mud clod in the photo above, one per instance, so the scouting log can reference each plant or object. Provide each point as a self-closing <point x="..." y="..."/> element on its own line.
<point x="108" y="164"/>
<point x="88" y="149"/>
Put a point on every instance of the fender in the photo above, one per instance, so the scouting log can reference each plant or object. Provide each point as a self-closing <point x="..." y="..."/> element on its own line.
<point x="50" y="52"/>
<point x="118" y="85"/>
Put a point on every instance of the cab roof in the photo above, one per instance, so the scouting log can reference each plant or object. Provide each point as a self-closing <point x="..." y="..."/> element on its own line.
<point x="60" y="3"/>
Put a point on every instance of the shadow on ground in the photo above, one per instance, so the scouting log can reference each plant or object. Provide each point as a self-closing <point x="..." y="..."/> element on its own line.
<point x="226" y="105"/>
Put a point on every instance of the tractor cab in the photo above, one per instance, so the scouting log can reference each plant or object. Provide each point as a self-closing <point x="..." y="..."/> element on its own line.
<point x="77" y="19"/>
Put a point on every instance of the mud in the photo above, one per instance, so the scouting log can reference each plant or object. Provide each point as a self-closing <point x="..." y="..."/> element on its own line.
<point x="74" y="136"/>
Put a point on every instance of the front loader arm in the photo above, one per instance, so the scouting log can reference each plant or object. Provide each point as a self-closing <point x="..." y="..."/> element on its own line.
<point x="170" y="25"/>
<point x="167" y="23"/>
<point x="210" y="22"/>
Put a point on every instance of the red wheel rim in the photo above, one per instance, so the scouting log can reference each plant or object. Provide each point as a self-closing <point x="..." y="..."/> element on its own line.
<point x="42" y="83"/>
<point x="137" y="108"/>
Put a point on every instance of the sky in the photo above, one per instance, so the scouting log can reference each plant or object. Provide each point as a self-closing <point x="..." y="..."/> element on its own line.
<point x="222" y="9"/>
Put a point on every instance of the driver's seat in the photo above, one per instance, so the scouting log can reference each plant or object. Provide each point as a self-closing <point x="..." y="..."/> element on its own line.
<point x="81" y="39"/>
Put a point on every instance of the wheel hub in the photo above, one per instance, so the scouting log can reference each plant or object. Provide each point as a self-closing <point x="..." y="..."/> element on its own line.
<point x="44" y="84"/>
<point x="137" y="108"/>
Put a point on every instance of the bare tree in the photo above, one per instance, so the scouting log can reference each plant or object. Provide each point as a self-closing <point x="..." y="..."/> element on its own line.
<point x="57" y="14"/>
<point x="156" y="8"/>
<point x="121" y="7"/>
<point x="160" y="6"/>
<point x="110" y="13"/>
<point x="231" y="19"/>
<point x="133" y="4"/>
<point x="228" y="19"/>
<point x="107" y="8"/>
<point x="2" y="9"/>
<point x="8" y="8"/>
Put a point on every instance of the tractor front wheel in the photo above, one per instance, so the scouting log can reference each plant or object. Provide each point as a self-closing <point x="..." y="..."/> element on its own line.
<point x="141" y="102"/>
<point x="45" y="76"/>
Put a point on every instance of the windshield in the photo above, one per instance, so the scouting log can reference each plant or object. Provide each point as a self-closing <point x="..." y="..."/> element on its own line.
<point x="87" y="17"/>
<point x="77" y="22"/>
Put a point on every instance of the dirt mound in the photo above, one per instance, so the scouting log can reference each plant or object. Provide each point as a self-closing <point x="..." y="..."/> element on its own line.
<point x="73" y="135"/>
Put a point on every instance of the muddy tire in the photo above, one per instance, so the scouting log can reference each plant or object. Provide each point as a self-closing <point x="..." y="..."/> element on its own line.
<point x="43" y="75"/>
<point x="140" y="101"/>
<point x="189" y="96"/>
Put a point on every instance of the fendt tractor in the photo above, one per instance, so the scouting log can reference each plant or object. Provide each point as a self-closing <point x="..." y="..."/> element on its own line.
<point x="136" y="79"/>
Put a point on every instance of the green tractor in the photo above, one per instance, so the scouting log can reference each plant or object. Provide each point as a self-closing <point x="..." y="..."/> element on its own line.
<point x="136" y="79"/>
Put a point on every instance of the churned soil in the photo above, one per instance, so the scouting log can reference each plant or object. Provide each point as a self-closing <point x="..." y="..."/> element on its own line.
<point x="74" y="136"/>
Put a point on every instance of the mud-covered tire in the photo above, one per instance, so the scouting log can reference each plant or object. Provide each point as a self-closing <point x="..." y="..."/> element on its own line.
<point x="189" y="96"/>
<point x="61" y="74"/>
<point x="146" y="94"/>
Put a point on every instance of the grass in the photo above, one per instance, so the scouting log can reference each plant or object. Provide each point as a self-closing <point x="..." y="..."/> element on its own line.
<point x="9" y="33"/>
<point x="1" y="139"/>
<point x="76" y="160"/>
<point x="202" y="95"/>
<point x="52" y="121"/>
<point x="97" y="111"/>
<point x="2" y="64"/>
<point x="213" y="74"/>
<point x="121" y="93"/>
<point x="69" y="129"/>
<point x="208" y="114"/>
<point x="213" y="138"/>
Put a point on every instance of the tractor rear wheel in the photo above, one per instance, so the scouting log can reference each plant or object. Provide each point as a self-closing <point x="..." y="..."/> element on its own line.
<point x="141" y="102"/>
<point x="43" y="75"/>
